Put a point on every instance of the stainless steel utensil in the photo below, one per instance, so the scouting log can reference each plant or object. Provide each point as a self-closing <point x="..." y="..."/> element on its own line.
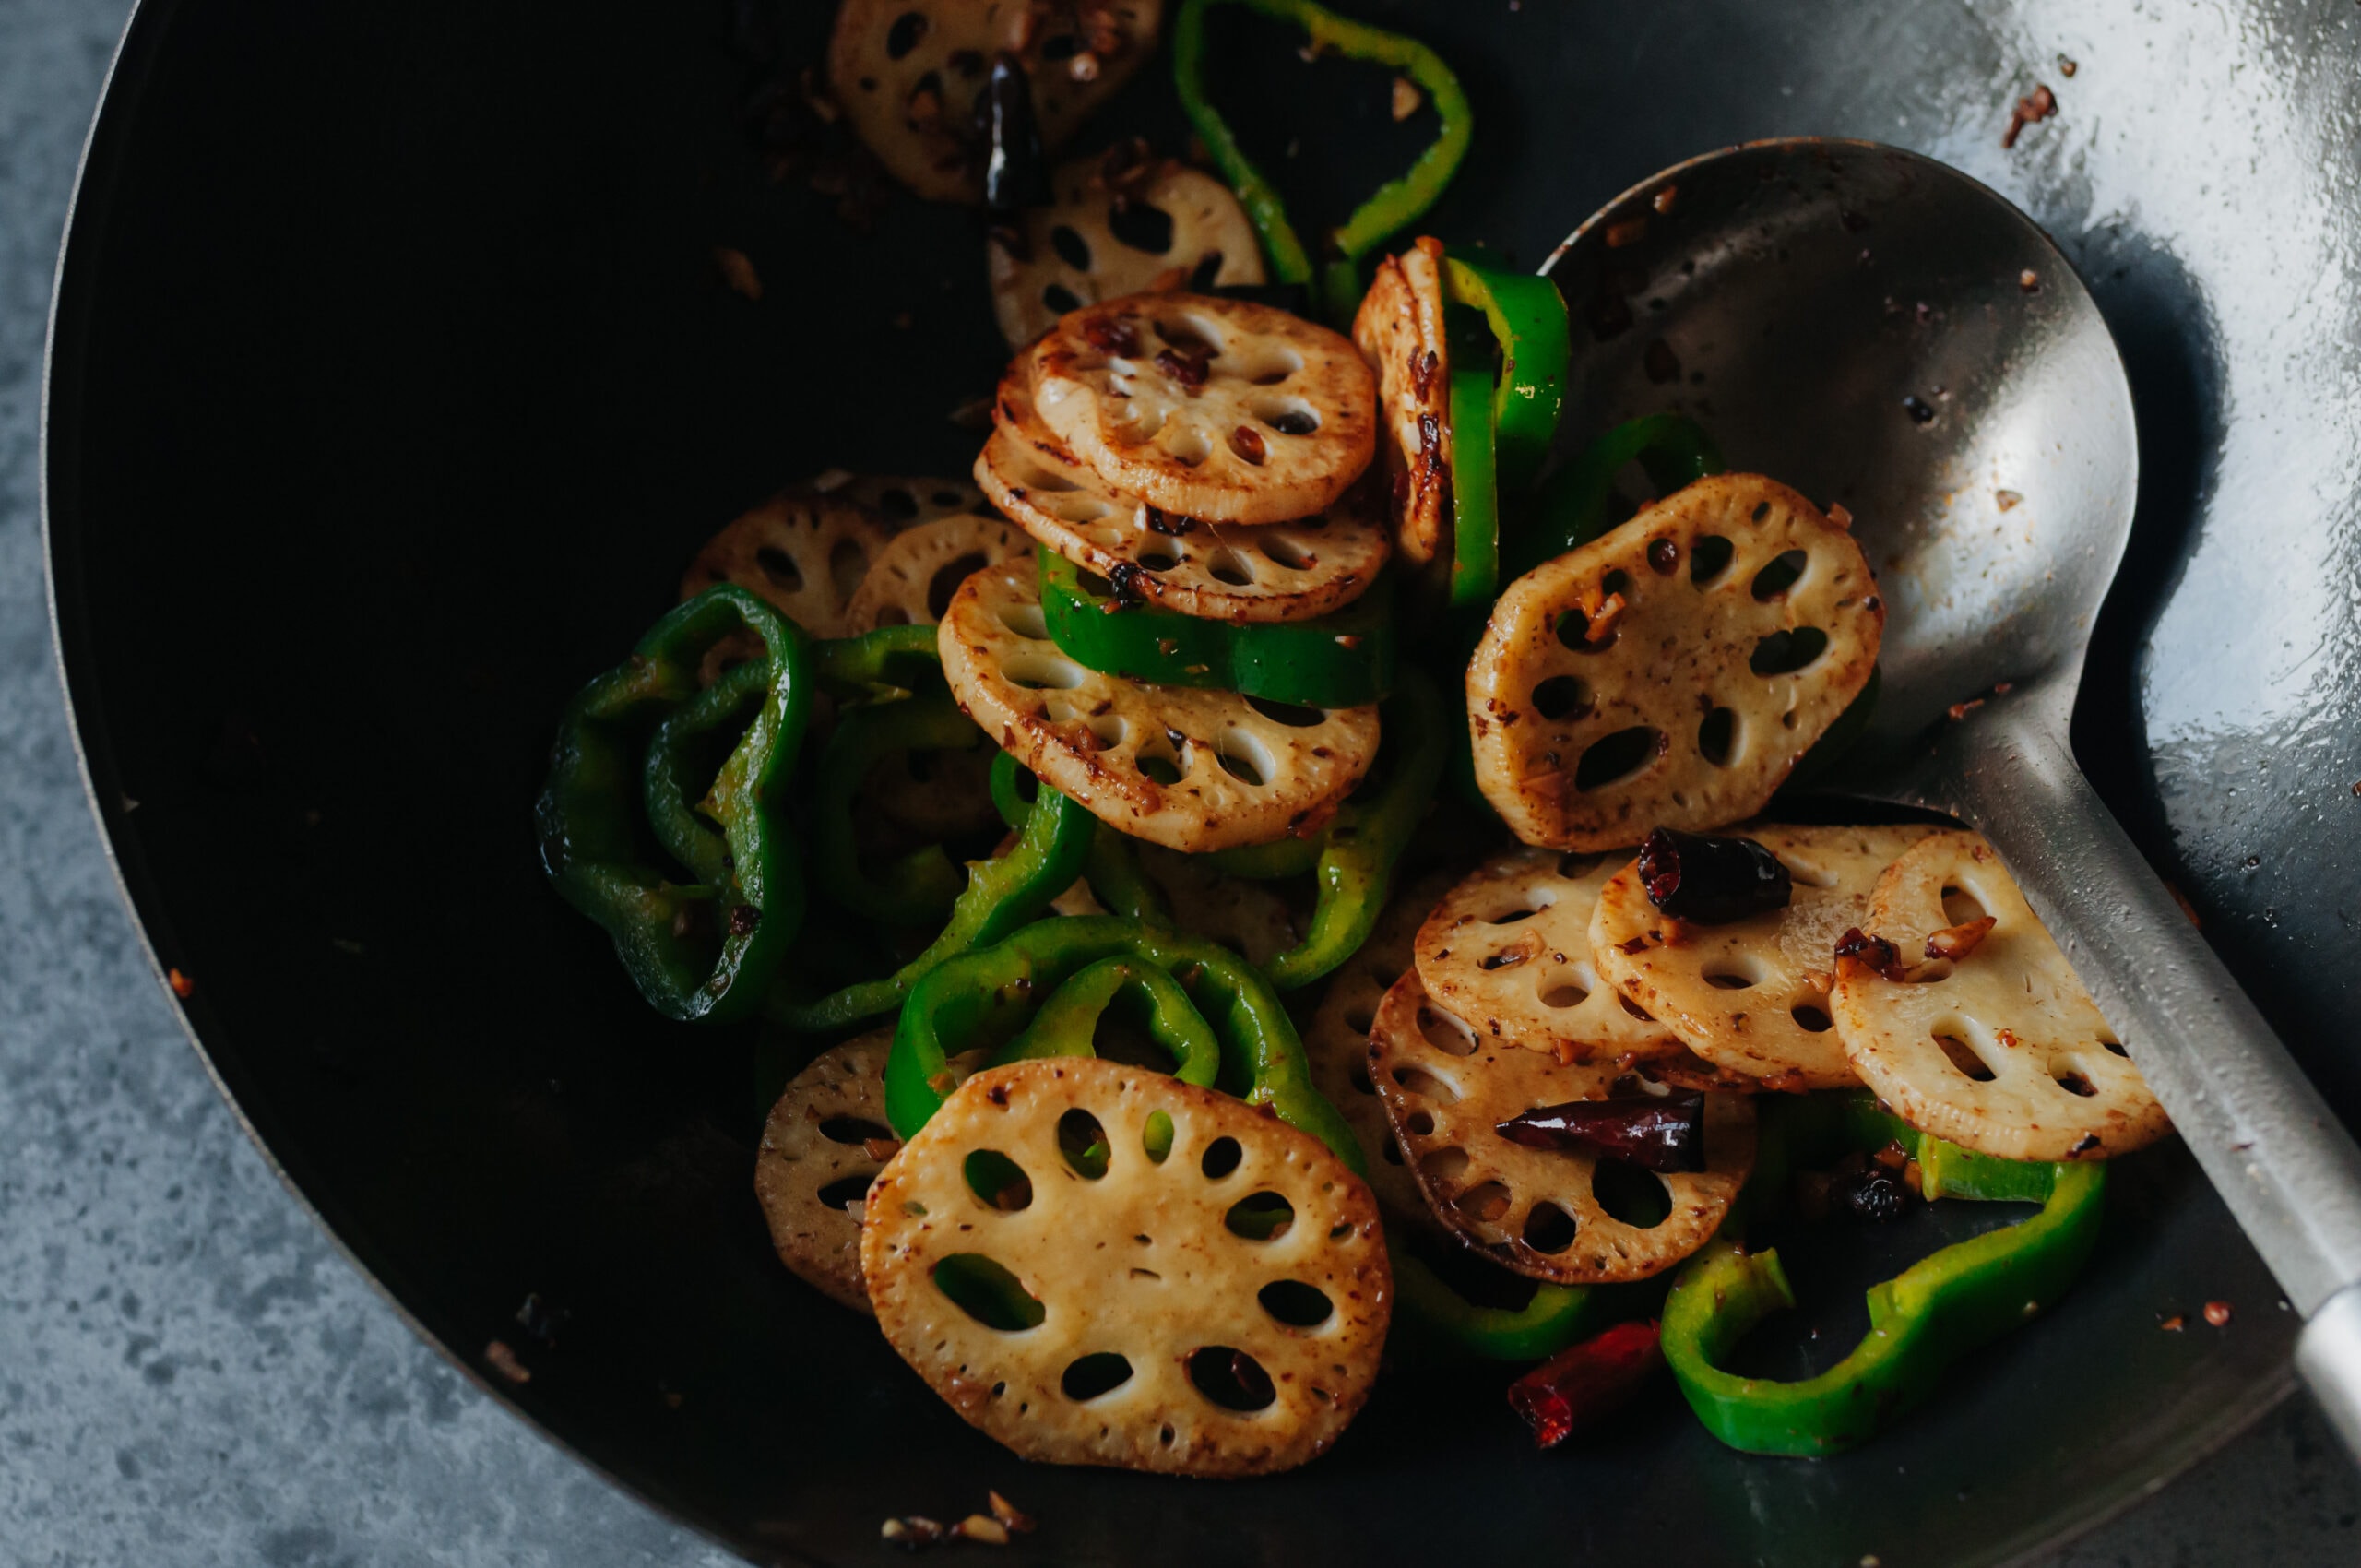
<point x="1880" y="330"/>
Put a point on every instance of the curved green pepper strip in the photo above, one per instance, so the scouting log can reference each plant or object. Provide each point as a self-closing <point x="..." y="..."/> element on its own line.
<point x="1437" y="1322"/>
<point x="887" y="661"/>
<point x="918" y="888"/>
<point x="1366" y="838"/>
<point x="670" y="774"/>
<point x="1267" y="862"/>
<point x="1066" y="1021"/>
<point x="1673" y="448"/>
<point x="697" y="951"/>
<point x="1110" y="867"/>
<point x="1528" y="319"/>
<point x="1392" y="207"/>
<point x="987" y="996"/>
<point x="1340" y="659"/>
<point x="1920" y="1321"/>
<point x="1002" y="894"/>
<point x="1474" y="494"/>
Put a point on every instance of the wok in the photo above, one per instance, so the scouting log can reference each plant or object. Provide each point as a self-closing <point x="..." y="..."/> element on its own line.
<point x="391" y="384"/>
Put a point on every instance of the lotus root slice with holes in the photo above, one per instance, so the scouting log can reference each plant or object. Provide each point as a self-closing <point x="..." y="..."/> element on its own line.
<point x="1289" y="571"/>
<point x="901" y="501"/>
<point x="920" y="568"/>
<point x="1539" y="1212"/>
<point x="1998" y="1049"/>
<point x="804" y="554"/>
<point x="909" y="75"/>
<point x="1399" y="329"/>
<point x="1093" y="243"/>
<point x="1336" y="1047"/>
<point x="826" y="1139"/>
<point x="1215" y="408"/>
<point x="1169" y="1337"/>
<point x="1508" y="951"/>
<point x="1192" y="770"/>
<point x="1750" y="998"/>
<point x="1669" y="674"/>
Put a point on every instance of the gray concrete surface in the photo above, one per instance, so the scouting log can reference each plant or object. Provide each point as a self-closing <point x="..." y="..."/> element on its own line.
<point x="189" y="1373"/>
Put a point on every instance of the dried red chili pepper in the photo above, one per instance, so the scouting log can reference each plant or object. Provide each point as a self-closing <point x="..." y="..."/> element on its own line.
<point x="1656" y="1133"/>
<point x="1584" y="1382"/>
<point x="1708" y="879"/>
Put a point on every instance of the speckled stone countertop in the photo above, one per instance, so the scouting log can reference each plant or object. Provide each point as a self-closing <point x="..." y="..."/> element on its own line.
<point x="189" y="1372"/>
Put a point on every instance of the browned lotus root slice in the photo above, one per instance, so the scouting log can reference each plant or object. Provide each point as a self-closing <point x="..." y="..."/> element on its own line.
<point x="915" y="575"/>
<point x="910" y="73"/>
<point x="1156" y="1303"/>
<point x="1336" y="1047"/>
<point x="901" y="502"/>
<point x="804" y="554"/>
<point x="1289" y="571"/>
<point x="827" y="1138"/>
<point x="1073" y="254"/>
<point x="1661" y="676"/>
<point x="1750" y="998"/>
<point x="1999" y="1049"/>
<point x="1508" y="951"/>
<point x="1400" y="329"/>
<point x="1189" y="769"/>
<point x="1215" y="408"/>
<point x="1536" y="1211"/>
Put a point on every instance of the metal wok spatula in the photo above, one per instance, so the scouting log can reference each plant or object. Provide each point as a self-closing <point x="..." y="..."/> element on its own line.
<point x="1877" y="328"/>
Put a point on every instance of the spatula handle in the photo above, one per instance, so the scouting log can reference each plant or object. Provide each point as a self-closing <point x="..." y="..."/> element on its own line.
<point x="2281" y="1159"/>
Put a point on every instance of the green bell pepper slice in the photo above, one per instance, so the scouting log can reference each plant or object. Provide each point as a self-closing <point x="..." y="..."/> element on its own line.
<point x="1003" y="895"/>
<point x="702" y="949"/>
<point x="1391" y="208"/>
<point x="1110" y="868"/>
<point x="1435" y="1322"/>
<point x="1674" y="450"/>
<point x="1340" y="659"/>
<point x="1474" y="494"/>
<point x="988" y="995"/>
<point x="919" y="888"/>
<point x="888" y="661"/>
<point x="1066" y="1022"/>
<point x="1365" y="840"/>
<point x="1528" y="320"/>
<point x="1920" y="1321"/>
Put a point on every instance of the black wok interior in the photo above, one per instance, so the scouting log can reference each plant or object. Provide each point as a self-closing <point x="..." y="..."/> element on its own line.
<point x="395" y="383"/>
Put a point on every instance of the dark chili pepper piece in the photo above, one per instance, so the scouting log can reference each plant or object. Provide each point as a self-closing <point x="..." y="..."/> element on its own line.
<point x="1667" y="1133"/>
<point x="1870" y="952"/>
<point x="1708" y="879"/>
<point x="1583" y="1383"/>
<point x="1015" y="176"/>
<point x="1878" y="1196"/>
